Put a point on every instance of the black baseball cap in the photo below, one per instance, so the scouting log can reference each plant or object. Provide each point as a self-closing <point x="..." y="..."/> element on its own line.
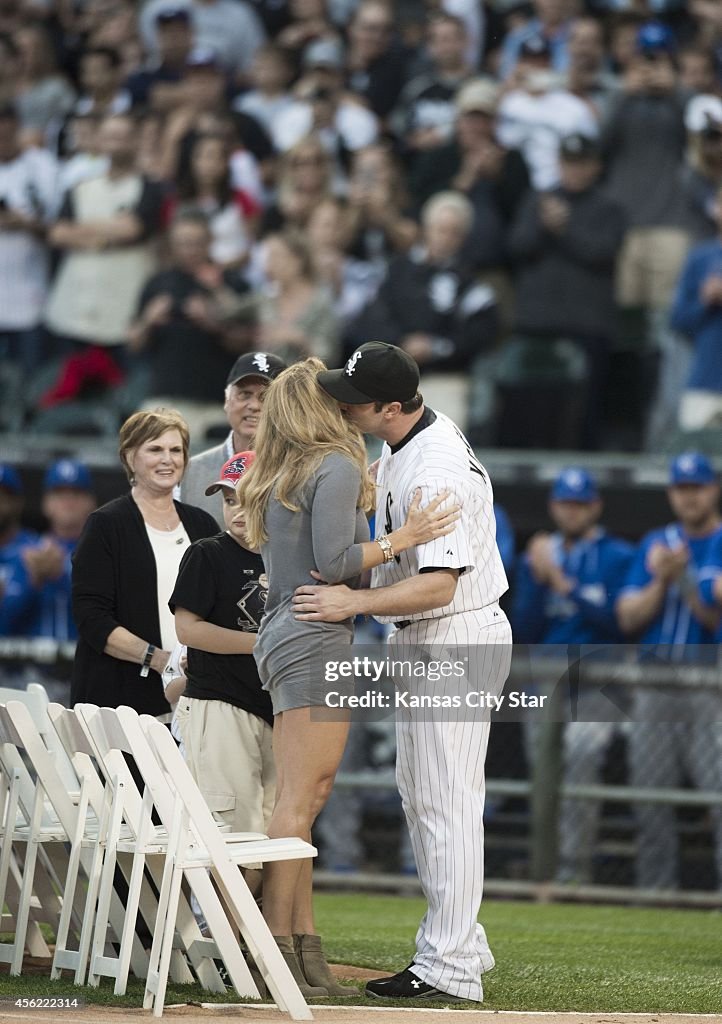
<point x="169" y="14"/>
<point x="376" y="372"/>
<point x="255" y="364"/>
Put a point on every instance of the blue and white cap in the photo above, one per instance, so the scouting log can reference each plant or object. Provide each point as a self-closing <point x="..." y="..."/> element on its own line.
<point x="691" y="468"/>
<point x="68" y="473"/>
<point x="574" y="484"/>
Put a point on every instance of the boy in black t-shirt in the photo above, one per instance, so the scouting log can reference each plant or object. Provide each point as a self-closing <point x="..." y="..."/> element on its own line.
<point x="225" y="718"/>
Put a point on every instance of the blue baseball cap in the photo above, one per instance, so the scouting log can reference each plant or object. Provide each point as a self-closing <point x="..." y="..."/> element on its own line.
<point x="691" y="468"/>
<point x="9" y="479"/>
<point x="654" y="37"/>
<point x="574" y="484"/>
<point x="68" y="473"/>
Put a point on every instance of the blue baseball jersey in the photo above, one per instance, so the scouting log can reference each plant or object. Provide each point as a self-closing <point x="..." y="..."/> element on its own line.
<point x="505" y="538"/>
<point x="675" y="623"/>
<point x="598" y="566"/>
<point x="713" y="570"/>
<point x="27" y="610"/>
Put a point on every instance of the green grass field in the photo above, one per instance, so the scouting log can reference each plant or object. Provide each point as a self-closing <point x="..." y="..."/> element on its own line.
<point x="549" y="957"/>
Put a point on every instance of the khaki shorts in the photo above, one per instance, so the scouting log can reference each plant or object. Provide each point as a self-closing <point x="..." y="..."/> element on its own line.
<point x="649" y="265"/>
<point x="229" y="753"/>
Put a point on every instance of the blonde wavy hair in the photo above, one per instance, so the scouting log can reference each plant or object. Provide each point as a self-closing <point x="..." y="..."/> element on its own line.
<point x="299" y="425"/>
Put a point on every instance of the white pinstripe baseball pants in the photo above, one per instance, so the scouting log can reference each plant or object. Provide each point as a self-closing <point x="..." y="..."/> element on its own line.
<point x="440" y="775"/>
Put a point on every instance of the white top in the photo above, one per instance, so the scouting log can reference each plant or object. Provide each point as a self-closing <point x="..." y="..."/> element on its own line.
<point x="169" y="546"/>
<point x="536" y="124"/>
<point x="440" y="458"/>
<point x="265" y="109"/>
<point x="354" y="125"/>
<point x="29" y="185"/>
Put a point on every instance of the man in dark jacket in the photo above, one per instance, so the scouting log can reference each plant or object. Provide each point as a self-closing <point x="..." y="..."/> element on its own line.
<point x="565" y="245"/>
<point x="432" y="306"/>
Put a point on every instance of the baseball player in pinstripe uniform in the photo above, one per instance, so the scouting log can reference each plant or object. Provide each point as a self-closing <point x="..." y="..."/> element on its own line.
<point x="442" y="595"/>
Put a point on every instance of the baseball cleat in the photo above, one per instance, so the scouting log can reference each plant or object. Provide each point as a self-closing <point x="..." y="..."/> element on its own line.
<point x="406" y="985"/>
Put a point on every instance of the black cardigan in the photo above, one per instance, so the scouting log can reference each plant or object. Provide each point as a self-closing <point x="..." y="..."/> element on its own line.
<point x="115" y="584"/>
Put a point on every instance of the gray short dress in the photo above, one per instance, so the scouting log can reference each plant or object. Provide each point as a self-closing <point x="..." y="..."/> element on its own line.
<point x="325" y="534"/>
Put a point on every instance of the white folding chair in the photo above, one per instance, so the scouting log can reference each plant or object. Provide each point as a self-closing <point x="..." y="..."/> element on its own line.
<point x="32" y="826"/>
<point x="45" y="903"/>
<point x="198" y="845"/>
<point x="138" y="847"/>
<point x="78" y="749"/>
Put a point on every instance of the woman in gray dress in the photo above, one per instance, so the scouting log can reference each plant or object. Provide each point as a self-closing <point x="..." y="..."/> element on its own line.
<point x="306" y="501"/>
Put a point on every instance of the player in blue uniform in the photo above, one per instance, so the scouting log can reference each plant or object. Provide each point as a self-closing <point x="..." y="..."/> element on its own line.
<point x="662" y="605"/>
<point x="566" y="586"/>
<point x="36" y="600"/>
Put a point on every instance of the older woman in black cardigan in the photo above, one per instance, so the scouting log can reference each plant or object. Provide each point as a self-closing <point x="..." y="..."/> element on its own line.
<point x="125" y="567"/>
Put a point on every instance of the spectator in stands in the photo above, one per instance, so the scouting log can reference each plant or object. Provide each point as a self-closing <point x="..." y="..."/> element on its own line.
<point x="297" y="317"/>
<point x="376" y="62"/>
<point x="101" y="77"/>
<point x="304" y="179"/>
<point x="247" y="381"/>
<point x="380" y="224"/>
<point x="552" y="22"/>
<point x="44" y="97"/>
<point x="269" y="96"/>
<point x="351" y="283"/>
<point x="702" y="170"/>
<point x="697" y="313"/>
<point x="588" y="76"/>
<point x="81" y="150"/>
<point x="229" y="27"/>
<point x="206" y="188"/>
<point x="160" y="85"/>
<point x="193" y="320"/>
<point x="644" y="142"/>
<point x="309" y="22"/>
<point x="564" y="244"/>
<point x="205" y="112"/>
<point x="493" y="178"/>
<point x="564" y="593"/>
<point x="125" y="567"/>
<point x="433" y="307"/>
<point x="28" y="202"/>
<point x="104" y="231"/>
<point x="342" y="123"/>
<point x="662" y="606"/>
<point x="538" y="113"/>
<point x="426" y="111"/>
<point x="36" y="601"/>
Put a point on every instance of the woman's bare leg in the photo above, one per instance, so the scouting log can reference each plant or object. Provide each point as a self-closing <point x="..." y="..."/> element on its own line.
<point x="307" y="753"/>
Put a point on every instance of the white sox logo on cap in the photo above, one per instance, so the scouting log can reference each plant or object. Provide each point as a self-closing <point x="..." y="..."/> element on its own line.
<point x="260" y="360"/>
<point x="236" y="466"/>
<point x="351" y="364"/>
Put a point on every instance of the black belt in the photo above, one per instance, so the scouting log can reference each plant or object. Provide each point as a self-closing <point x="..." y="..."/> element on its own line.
<point x="403" y="624"/>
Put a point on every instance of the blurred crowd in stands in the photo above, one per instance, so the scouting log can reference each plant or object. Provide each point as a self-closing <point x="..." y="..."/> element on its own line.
<point x="521" y="193"/>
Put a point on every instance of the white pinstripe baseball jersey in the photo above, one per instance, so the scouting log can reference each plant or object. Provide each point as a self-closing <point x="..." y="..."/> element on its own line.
<point x="435" y="458"/>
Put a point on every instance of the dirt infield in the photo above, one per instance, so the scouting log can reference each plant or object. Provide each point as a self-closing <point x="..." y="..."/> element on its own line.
<point x="345" y="1015"/>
